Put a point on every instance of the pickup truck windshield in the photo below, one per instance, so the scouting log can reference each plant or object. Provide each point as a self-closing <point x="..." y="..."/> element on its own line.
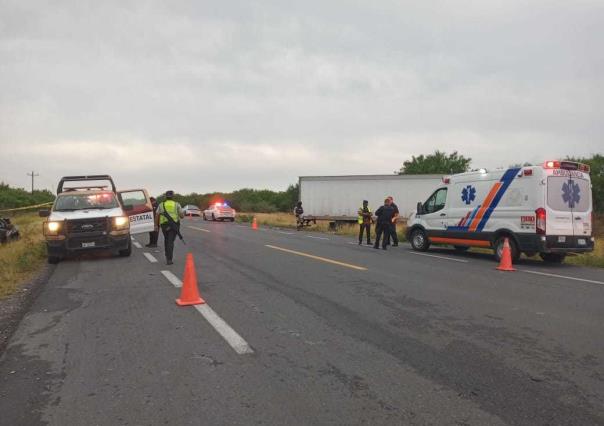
<point x="71" y="202"/>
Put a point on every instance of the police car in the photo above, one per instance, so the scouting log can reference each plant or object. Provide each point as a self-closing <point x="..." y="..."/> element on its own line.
<point x="93" y="217"/>
<point x="191" y="210"/>
<point x="544" y="209"/>
<point x="219" y="211"/>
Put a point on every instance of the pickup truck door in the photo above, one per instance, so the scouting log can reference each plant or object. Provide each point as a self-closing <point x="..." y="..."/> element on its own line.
<point x="139" y="210"/>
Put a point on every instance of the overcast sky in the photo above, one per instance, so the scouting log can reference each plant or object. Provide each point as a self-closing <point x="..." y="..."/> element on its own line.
<point x="218" y="95"/>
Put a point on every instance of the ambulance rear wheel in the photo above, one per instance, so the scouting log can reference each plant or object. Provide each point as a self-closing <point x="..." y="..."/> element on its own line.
<point x="553" y="257"/>
<point x="498" y="250"/>
<point x="419" y="240"/>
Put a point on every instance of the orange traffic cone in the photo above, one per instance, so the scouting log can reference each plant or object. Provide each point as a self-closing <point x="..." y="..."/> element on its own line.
<point x="506" y="258"/>
<point x="254" y="223"/>
<point x="189" y="294"/>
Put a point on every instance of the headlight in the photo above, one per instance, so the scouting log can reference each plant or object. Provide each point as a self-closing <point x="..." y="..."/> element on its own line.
<point x="121" y="222"/>
<point x="53" y="226"/>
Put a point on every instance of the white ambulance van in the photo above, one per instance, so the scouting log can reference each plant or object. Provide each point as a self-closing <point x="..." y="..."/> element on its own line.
<point x="545" y="210"/>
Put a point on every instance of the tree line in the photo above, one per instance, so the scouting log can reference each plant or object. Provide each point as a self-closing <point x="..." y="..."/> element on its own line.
<point x="11" y="198"/>
<point x="245" y="200"/>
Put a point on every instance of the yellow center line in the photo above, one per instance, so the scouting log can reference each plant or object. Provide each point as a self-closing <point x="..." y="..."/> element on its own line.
<point x="199" y="229"/>
<point x="322" y="259"/>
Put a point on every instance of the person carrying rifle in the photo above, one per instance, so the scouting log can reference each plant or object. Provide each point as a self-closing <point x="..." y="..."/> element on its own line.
<point x="170" y="213"/>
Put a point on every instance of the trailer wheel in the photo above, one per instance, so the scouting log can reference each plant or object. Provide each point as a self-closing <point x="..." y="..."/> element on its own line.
<point x="419" y="240"/>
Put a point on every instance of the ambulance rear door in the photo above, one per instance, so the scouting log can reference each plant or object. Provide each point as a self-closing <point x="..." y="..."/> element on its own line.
<point x="138" y="207"/>
<point x="559" y="206"/>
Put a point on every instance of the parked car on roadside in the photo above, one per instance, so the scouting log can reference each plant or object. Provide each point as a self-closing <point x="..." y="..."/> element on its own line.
<point x="191" y="210"/>
<point x="8" y="230"/>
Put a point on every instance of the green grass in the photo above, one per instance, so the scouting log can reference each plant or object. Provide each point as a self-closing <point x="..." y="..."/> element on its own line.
<point x="21" y="260"/>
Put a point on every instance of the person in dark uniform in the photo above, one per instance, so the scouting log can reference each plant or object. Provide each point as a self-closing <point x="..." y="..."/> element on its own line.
<point x="392" y="234"/>
<point x="154" y="235"/>
<point x="299" y="212"/>
<point x="364" y="219"/>
<point x="174" y="210"/>
<point x="384" y="221"/>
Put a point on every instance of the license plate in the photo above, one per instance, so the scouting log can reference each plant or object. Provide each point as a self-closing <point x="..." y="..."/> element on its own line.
<point x="86" y="245"/>
<point x="561" y="239"/>
<point x="582" y="241"/>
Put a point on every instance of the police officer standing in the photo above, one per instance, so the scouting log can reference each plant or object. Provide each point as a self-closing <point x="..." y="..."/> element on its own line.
<point x="365" y="220"/>
<point x="384" y="222"/>
<point x="169" y="228"/>
<point x="154" y="235"/>
<point x="392" y="230"/>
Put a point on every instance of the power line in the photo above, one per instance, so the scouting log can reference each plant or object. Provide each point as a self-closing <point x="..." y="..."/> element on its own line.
<point x="33" y="175"/>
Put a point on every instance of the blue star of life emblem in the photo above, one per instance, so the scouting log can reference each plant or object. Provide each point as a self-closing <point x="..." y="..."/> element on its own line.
<point x="468" y="194"/>
<point x="571" y="193"/>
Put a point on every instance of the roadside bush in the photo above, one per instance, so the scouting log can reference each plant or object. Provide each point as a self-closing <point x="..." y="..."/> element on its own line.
<point x="18" y="197"/>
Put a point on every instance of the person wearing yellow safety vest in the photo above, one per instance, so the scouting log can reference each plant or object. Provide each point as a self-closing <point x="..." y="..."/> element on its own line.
<point x="365" y="219"/>
<point x="174" y="210"/>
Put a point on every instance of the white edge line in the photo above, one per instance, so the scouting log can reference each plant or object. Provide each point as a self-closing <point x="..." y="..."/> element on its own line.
<point x="439" y="257"/>
<point x="235" y="340"/>
<point x="137" y="244"/>
<point x="563" y="276"/>
<point x="317" y="238"/>
<point x="150" y="257"/>
<point x="286" y="233"/>
<point x="132" y="238"/>
<point x="176" y="282"/>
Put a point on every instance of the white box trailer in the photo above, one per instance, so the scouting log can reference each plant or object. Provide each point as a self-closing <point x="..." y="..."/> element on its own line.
<point x="338" y="198"/>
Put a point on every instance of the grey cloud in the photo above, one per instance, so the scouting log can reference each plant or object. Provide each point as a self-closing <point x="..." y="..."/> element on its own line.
<point x="336" y="87"/>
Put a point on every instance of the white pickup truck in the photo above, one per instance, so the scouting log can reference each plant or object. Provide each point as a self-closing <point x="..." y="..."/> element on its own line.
<point x="95" y="217"/>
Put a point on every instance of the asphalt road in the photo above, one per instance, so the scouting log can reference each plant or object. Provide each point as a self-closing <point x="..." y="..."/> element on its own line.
<point x="315" y="330"/>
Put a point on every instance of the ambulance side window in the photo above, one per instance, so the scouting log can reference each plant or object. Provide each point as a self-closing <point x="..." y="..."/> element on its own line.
<point x="436" y="201"/>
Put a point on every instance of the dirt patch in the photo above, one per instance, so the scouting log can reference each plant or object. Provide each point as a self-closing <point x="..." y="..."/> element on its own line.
<point x="15" y="306"/>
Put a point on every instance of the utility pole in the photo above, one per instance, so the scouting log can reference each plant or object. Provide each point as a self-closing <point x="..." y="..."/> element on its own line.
<point x="33" y="175"/>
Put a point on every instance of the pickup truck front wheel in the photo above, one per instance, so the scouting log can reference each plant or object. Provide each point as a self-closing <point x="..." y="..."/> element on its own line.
<point x="127" y="252"/>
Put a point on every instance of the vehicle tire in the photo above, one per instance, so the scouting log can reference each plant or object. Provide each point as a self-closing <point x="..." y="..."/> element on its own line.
<point x="461" y="249"/>
<point x="498" y="248"/>
<point x="232" y="219"/>
<point x="127" y="252"/>
<point x="530" y="253"/>
<point x="553" y="257"/>
<point x="419" y="240"/>
<point x="204" y="217"/>
<point x="213" y="217"/>
<point x="53" y="260"/>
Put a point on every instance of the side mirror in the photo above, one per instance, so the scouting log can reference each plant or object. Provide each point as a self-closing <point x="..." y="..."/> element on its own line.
<point x="44" y="213"/>
<point x="420" y="208"/>
<point x="128" y="207"/>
